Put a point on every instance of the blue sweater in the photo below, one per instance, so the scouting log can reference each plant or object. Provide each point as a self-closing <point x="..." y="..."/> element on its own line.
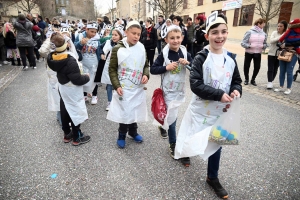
<point x="158" y="68"/>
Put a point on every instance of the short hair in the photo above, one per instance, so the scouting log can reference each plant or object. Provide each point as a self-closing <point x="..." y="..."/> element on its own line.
<point x="21" y="16"/>
<point x="172" y="17"/>
<point x="259" y="21"/>
<point x="161" y="16"/>
<point x="174" y="31"/>
<point x="149" y="20"/>
<point x="57" y="39"/>
<point x="189" y="19"/>
<point x="141" y="22"/>
<point x="84" y="20"/>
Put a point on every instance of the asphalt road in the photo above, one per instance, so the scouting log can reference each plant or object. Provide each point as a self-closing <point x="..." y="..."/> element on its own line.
<point x="266" y="164"/>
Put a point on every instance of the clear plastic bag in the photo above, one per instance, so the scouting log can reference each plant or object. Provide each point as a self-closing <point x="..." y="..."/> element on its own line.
<point x="226" y="130"/>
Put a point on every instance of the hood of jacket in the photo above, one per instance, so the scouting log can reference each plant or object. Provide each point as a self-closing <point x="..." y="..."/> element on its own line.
<point x="57" y="61"/>
<point x="256" y="29"/>
<point x="295" y="27"/>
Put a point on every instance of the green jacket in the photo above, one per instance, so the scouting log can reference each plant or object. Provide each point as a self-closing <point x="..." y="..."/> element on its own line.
<point x="113" y="66"/>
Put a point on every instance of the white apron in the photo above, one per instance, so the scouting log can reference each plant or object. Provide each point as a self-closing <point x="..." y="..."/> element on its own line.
<point x="173" y="88"/>
<point x="201" y="114"/>
<point x="107" y="52"/>
<point x="132" y="106"/>
<point x="90" y="61"/>
<point x="53" y="94"/>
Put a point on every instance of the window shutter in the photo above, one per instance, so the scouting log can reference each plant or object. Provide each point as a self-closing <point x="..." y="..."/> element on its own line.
<point x="285" y="11"/>
<point x="185" y="2"/>
<point x="250" y="15"/>
<point x="236" y="16"/>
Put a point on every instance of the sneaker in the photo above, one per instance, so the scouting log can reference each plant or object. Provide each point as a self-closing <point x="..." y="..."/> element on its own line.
<point x="246" y="82"/>
<point x="68" y="137"/>
<point x="24" y="68"/>
<point x="94" y="100"/>
<point x="137" y="138"/>
<point x="121" y="140"/>
<point x="186" y="161"/>
<point x="86" y="98"/>
<point x="269" y="85"/>
<point x="6" y="62"/>
<point x="172" y="149"/>
<point x="0" y="65"/>
<point x="33" y="67"/>
<point x="253" y="83"/>
<point x="217" y="187"/>
<point x="163" y="132"/>
<point x="278" y="89"/>
<point x="107" y="107"/>
<point x="81" y="140"/>
<point x="288" y="91"/>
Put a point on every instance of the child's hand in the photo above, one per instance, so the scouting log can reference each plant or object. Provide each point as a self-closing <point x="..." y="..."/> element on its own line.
<point x="103" y="57"/>
<point x="171" y="66"/>
<point x="120" y="91"/>
<point x="226" y="98"/>
<point x="183" y="61"/>
<point x="145" y="79"/>
<point x="235" y="93"/>
<point x="84" y="41"/>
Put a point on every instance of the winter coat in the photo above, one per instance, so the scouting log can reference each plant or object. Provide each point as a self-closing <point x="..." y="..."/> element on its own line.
<point x="255" y="40"/>
<point x="24" y="33"/>
<point x="152" y="42"/>
<point x="10" y="40"/>
<point x="1" y="39"/>
<point x="204" y="91"/>
<point x="200" y="39"/>
<point x="190" y="33"/>
<point x="67" y="69"/>
<point x="275" y="36"/>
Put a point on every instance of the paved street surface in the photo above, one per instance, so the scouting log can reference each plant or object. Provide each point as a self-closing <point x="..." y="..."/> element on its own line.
<point x="266" y="164"/>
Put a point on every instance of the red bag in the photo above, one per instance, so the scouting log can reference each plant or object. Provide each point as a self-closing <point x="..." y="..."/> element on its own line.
<point x="158" y="106"/>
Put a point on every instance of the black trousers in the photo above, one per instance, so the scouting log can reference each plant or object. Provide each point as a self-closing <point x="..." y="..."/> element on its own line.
<point x="189" y="49"/>
<point x="273" y="64"/>
<point x="66" y="119"/>
<point x="150" y="55"/>
<point x="95" y="91"/>
<point x="30" y="53"/>
<point x="130" y="128"/>
<point x="247" y="62"/>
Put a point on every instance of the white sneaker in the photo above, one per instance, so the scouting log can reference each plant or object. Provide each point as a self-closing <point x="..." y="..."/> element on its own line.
<point x="269" y="85"/>
<point x="107" y="107"/>
<point x="6" y="62"/>
<point x="0" y="65"/>
<point x="86" y="98"/>
<point x="288" y="91"/>
<point x="94" y="100"/>
<point x="34" y="67"/>
<point x="278" y="89"/>
<point x="24" y="68"/>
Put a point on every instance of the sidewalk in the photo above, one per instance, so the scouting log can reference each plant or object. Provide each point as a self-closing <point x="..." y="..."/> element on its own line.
<point x="7" y="74"/>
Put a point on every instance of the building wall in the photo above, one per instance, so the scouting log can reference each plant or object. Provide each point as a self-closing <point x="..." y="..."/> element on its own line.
<point x="235" y="32"/>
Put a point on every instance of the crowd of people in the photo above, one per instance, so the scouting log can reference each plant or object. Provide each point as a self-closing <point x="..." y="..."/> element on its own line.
<point x="83" y="54"/>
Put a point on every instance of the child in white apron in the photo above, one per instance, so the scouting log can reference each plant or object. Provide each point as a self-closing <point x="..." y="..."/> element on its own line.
<point x="171" y="65"/>
<point x="72" y="105"/>
<point x="117" y="34"/>
<point x="128" y="71"/>
<point x="214" y="80"/>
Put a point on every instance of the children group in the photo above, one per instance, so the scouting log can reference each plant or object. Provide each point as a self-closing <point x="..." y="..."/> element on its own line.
<point x="74" y="69"/>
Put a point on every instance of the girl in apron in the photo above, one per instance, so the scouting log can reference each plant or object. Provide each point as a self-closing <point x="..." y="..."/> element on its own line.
<point x="214" y="80"/>
<point x="129" y="71"/>
<point x="171" y="65"/>
<point x="117" y="34"/>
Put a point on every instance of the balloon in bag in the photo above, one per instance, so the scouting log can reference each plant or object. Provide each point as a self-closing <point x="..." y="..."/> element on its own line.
<point x="158" y="106"/>
<point x="226" y="130"/>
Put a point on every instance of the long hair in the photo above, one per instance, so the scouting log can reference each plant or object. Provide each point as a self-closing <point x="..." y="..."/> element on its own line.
<point x="6" y="29"/>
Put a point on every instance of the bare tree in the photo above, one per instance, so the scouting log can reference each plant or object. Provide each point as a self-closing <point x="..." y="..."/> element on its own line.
<point x="26" y="5"/>
<point x="166" y="7"/>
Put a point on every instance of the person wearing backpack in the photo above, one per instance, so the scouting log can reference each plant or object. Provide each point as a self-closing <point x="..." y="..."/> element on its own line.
<point x="215" y="80"/>
<point x="170" y="64"/>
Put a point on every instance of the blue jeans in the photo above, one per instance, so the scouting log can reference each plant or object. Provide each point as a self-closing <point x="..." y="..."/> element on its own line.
<point x="287" y="68"/>
<point x="159" y="46"/>
<point x="172" y="132"/>
<point x="213" y="164"/>
<point x="109" y="89"/>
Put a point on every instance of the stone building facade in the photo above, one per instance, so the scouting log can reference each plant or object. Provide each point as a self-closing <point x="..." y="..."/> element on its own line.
<point x="76" y="8"/>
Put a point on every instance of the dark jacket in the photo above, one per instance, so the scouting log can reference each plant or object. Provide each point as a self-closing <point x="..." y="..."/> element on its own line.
<point x="67" y="69"/>
<point x="152" y="42"/>
<point x="158" y="66"/>
<point x="113" y="66"/>
<point x="207" y="92"/>
<point x="186" y="37"/>
<point x="1" y="40"/>
<point x="200" y="39"/>
<point x="10" y="40"/>
<point x="24" y="33"/>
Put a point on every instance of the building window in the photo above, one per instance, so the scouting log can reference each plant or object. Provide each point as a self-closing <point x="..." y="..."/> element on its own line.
<point x="67" y="2"/>
<point x="214" y="1"/>
<point x="149" y="7"/>
<point x="285" y="11"/>
<point x="200" y="3"/>
<point x="247" y="13"/>
<point x="220" y="11"/>
<point x="185" y="4"/>
<point x="236" y="16"/>
<point x="185" y="18"/>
